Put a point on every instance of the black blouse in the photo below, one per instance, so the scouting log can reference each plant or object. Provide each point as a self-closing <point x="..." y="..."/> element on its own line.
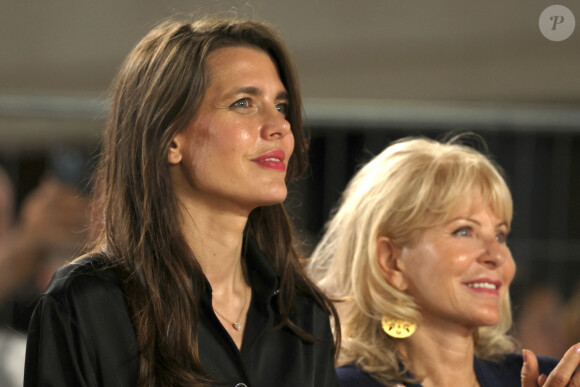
<point x="81" y="335"/>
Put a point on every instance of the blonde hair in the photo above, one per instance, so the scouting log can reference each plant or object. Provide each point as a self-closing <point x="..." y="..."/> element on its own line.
<point x="415" y="183"/>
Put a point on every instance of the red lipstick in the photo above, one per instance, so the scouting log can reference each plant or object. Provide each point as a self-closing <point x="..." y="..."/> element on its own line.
<point x="484" y="285"/>
<point x="272" y="160"/>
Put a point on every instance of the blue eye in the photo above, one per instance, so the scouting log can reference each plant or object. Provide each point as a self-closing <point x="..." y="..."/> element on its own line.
<point x="462" y="232"/>
<point x="501" y="237"/>
<point x="241" y="103"/>
<point x="282" y="108"/>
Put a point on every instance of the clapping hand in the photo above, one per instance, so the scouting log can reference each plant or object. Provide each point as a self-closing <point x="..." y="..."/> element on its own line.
<point x="562" y="375"/>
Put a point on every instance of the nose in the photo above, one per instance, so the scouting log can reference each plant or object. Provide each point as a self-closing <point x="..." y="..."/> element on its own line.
<point x="496" y="253"/>
<point x="275" y="124"/>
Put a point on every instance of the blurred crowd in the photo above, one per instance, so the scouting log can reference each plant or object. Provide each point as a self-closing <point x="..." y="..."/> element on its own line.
<point x="546" y="321"/>
<point x="49" y="229"/>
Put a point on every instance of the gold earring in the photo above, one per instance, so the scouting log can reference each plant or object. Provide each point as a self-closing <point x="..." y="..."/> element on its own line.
<point x="399" y="329"/>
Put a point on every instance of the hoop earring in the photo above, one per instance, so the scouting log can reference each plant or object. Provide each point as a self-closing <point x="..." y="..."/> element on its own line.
<point x="399" y="329"/>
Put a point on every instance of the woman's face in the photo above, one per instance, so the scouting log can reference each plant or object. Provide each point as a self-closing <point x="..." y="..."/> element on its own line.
<point x="460" y="271"/>
<point x="236" y="149"/>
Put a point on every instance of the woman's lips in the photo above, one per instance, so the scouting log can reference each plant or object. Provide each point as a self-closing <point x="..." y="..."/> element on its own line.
<point x="272" y="160"/>
<point x="484" y="285"/>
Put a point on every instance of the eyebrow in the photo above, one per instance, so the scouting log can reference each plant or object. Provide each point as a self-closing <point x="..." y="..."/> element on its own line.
<point x="252" y="90"/>
<point x="476" y="222"/>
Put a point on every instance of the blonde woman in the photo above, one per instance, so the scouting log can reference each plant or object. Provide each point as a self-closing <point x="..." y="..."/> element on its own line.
<point x="417" y="260"/>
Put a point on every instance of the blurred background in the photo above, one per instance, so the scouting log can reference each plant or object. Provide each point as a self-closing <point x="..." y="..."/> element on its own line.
<point x="371" y="71"/>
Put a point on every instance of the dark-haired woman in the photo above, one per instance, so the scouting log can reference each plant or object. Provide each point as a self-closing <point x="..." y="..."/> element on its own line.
<point x="195" y="280"/>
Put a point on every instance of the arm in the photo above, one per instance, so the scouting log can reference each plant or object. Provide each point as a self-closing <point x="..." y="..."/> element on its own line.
<point x="80" y="333"/>
<point x="55" y="351"/>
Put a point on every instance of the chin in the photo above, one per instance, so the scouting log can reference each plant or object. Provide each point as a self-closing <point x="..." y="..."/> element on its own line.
<point x="488" y="323"/>
<point x="266" y="202"/>
<point x="273" y="201"/>
<point x="274" y="196"/>
<point x="488" y="319"/>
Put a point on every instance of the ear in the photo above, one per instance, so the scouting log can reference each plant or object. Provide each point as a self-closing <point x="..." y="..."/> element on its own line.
<point x="174" y="156"/>
<point x="388" y="260"/>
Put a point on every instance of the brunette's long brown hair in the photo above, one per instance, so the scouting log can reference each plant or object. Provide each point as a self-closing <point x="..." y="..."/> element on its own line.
<point x="156" y="94"/>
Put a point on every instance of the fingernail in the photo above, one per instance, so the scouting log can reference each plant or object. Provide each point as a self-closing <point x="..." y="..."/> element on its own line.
<point x="577" y="349"/>
<point x="525" y="355"/>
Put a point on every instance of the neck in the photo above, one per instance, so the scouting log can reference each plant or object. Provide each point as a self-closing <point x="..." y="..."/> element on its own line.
<point x="440" y="357"/>
<point x="216" y="237"/>
<point x="214" y="232"/>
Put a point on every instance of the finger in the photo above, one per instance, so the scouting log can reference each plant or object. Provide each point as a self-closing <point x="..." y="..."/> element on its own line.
<point x="542" y="380"/>
<point x="561" y="375"/>
<point x="575" y="381"/>
<point x="529" y="375"/>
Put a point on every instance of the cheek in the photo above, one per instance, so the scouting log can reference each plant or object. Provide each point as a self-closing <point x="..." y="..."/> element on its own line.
<point x="460" y="263"/>
<point x="509" y="270"/>
<point x="244" y="136"/>
<point x="421" y="265"/>
<point x="234" y="136"/>
<point x="197" y="150"/>
<point x="290" y="142"/>
<point x="447" y="260"/>
<point x="241" y="139"/>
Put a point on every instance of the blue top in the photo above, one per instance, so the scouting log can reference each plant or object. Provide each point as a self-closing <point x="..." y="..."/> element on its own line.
<point x="505" y="373"/>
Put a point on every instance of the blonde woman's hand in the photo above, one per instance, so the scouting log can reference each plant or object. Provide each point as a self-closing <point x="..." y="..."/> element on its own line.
<point x="562" y="375"/>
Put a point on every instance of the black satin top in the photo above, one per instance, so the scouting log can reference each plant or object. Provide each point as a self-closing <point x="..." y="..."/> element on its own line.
<point x="81" y="335"/>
